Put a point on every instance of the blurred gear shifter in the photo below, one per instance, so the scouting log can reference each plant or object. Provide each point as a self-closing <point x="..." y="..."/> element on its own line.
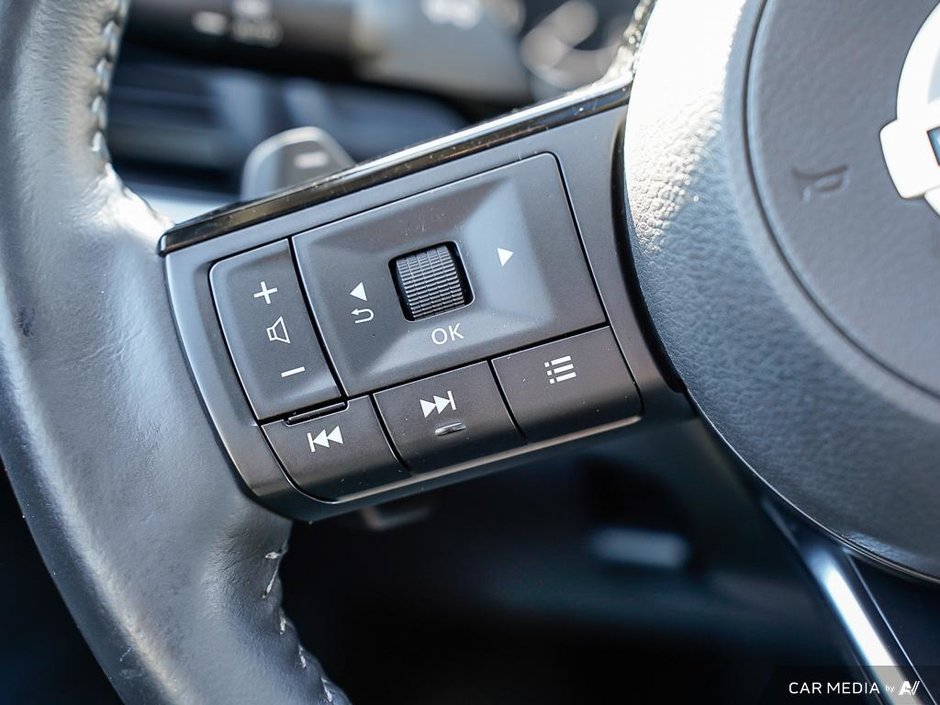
<point x="291" y="158"/>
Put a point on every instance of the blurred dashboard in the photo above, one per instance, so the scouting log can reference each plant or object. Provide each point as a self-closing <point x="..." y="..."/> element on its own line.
<point x="201" y="83"/>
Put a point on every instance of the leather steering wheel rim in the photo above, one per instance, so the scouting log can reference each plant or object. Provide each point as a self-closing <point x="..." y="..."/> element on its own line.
<point x="104" y="437"/>
<point x="168" y="565"/>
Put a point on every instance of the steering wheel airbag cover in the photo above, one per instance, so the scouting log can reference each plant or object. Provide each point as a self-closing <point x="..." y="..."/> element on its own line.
<point x="832" y="431"/>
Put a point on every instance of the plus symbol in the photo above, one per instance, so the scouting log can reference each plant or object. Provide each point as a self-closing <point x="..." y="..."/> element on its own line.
<point x="265" y="293"/>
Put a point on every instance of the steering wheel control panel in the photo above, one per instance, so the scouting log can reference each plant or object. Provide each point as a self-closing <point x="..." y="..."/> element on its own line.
<point x="439" y="324"/>
<point x="451" y="279"/>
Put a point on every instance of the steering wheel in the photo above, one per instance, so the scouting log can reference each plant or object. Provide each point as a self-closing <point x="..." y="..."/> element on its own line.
<point x="753" y="261"/>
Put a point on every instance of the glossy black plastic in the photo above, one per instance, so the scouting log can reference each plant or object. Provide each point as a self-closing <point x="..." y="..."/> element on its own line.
<point x="539" y="118"/>
<point x="581" y="132"/>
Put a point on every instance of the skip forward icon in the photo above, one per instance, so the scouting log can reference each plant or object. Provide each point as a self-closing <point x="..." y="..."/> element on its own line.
<point x="439" y="404"/>
<point x="324" y="439"/>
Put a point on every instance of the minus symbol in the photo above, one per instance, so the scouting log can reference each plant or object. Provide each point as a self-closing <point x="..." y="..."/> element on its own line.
<point x="295" y="371"/>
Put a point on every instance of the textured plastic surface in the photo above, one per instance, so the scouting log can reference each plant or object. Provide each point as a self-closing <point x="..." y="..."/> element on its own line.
<point x="269" y="333"/>
<point x="522" y="256"/>
<point x="839" y="436"/>
<point x="338" y="454"/>
<point x="867" y="257"/>
<point x="430" y="282"/>
<point x="448" y="418"/>
<point x="568" y="385"/>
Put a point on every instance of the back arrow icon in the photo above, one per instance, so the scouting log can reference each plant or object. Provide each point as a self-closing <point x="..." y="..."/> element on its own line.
<point x="363" y="315"/>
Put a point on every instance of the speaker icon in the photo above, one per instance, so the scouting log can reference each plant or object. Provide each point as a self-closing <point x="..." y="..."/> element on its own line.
<point x="278" y="332"/>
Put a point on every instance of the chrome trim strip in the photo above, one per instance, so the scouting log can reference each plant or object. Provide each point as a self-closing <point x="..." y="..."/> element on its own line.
<point x="875" y="645"/>
<point x="601" y="96"/>
<point x="610" y="92"/>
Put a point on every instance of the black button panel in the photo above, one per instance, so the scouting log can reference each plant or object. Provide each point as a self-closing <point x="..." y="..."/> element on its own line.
<point x="448" y="418"/>
<point x="269" y="333"/>
<point x="449" y="279"/>
<point x="336" y="455"/>
<point x="519" y="249"/>
<point x="568" y="385"/>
